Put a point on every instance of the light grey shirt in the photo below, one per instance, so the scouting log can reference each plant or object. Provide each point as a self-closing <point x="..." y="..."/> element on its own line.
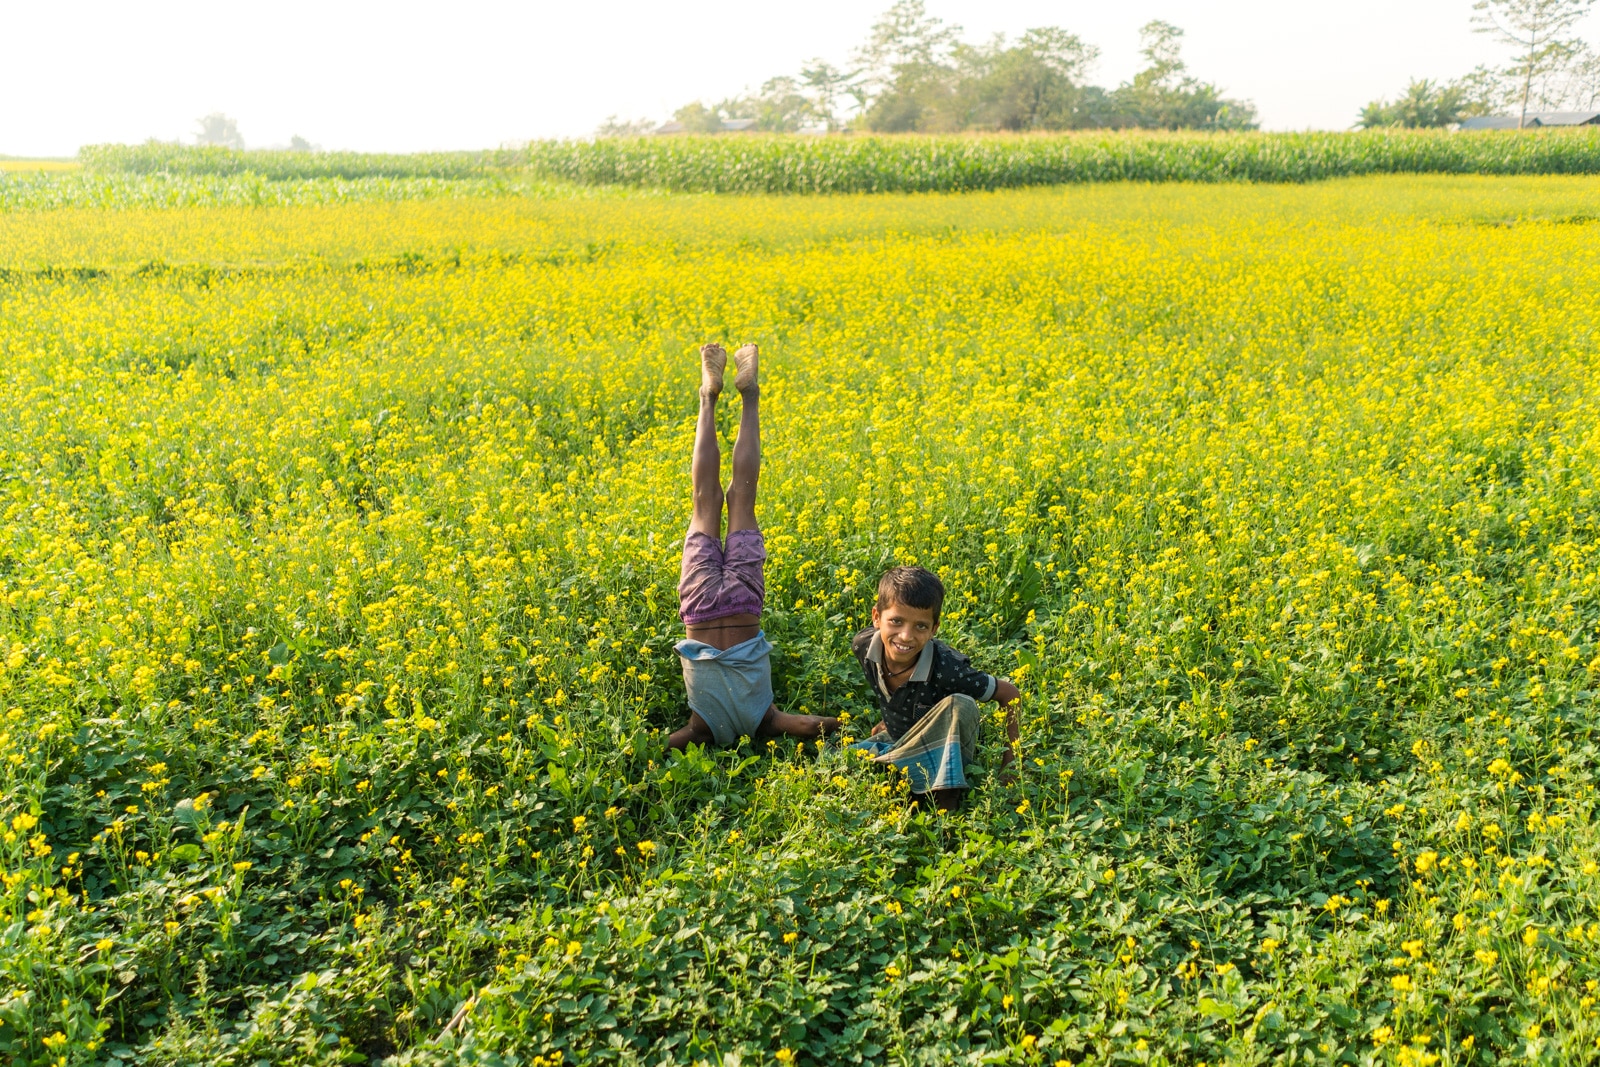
<point x="731" y="688"/>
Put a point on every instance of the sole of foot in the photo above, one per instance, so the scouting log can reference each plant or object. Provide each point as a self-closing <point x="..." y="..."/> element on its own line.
<point x="748" y="360"/>
<point x="713" y="361"/>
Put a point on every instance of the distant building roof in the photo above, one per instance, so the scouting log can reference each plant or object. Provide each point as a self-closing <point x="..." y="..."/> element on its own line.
<point x="1569" y="118"/>
<point x="1535" y="119"/>
<point x="728" y="126"/>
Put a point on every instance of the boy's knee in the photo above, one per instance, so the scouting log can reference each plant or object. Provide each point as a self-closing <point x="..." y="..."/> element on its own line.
<point x="694" y="732"/>
<point x="966" y="708"/>
<point x="969" y="717"/>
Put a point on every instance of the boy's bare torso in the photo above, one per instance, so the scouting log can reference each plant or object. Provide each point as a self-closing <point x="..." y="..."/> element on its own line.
<point x="727" y="631"/>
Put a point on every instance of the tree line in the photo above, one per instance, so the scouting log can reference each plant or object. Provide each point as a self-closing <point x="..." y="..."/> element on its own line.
<point x="1549" y="68"/>
<point x="915" y="74"/>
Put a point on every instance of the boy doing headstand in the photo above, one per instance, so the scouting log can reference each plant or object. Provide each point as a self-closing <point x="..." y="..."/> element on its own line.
<point x="928" y="692"/>
<point x="727" y="667"/>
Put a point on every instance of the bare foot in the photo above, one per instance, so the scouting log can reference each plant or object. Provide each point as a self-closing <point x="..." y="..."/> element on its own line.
<point x="749" y="375"/>
<point x="713" y="361"/>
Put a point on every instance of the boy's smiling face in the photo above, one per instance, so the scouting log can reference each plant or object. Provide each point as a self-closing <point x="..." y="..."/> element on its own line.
<point x="903" y="631"/>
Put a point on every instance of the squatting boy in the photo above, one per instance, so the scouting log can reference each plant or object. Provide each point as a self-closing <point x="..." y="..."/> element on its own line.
<point x="928" y="692"/>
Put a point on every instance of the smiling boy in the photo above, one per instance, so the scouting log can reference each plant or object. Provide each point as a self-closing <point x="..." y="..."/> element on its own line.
<point x="928" y="692"/>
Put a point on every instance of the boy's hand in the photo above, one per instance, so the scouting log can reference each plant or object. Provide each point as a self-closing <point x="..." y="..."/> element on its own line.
<point x="1008" y="697"/>
<point x="878" y="729"/>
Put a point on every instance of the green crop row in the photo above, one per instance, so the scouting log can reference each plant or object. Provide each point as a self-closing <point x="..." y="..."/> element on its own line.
<point x="929" y="164"/>
<point x="910" y="164"/>
<point x="110" y="189"/>
<point x="154" y="157"/>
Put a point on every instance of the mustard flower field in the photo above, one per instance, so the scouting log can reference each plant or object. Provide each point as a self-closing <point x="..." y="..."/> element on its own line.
<point x="338" y="546"/>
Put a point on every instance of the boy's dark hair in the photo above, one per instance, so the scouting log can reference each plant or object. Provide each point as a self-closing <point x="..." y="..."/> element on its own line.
<point x="914" y="587"/>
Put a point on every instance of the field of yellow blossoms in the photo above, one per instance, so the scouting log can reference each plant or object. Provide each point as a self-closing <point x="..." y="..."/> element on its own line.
<point x="338" y="546"/>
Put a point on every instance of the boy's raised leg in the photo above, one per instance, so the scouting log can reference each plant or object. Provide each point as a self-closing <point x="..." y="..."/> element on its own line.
<point x="706" y="466"/>
<point x="747" y="448"/>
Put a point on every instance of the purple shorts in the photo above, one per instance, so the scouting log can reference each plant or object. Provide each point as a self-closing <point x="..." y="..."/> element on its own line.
<point x="718" y="582"/>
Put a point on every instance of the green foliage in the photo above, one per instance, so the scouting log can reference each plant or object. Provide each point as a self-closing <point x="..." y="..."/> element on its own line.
<point x="1163" y="96"/>
<point x="780" y="107"/>
<point x="922" y="78"/>
<point x="697" y="118"/>
<point x="1035" y="84"/>
<point x="1424" y="104"/>
<point x="916" y="75"/>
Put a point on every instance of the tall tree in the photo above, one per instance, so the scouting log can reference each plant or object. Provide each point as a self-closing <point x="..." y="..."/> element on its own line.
<point x="1582" y="89"/>
<point x="907" y="70"/>
<point x="826" y="87"/>
<point x="218" y="129"/>
<point x="1164" y="96"/>
<point x="1540" y="33"/>
<point x="779" y="106"/>
<point x="905" y="36"/>
<point x="697" y="118"/>
<point x="1034" y="84"/>
<point x="1483" y="91"/>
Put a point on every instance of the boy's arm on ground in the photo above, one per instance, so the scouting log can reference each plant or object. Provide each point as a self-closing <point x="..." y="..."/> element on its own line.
<point x="1007" y="696"/>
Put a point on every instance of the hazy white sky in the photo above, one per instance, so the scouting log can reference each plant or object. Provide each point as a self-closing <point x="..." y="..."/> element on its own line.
<point x="404" y="76"/>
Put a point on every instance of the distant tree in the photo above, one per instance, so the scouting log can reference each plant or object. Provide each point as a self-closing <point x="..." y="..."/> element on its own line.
<point x="908" y="76"/>
<point x="905" y="36"/>
<point x="1538" y="31"/>
<point x="826" y="86"/>
<point x="1035" y="84"/>
<point x="616" y="127"/>
<point x="1483" y="91"/>
<point x="914" y="73"/>
<point x="779" y="106"/>
<point x="1582" y="90"/>
<point x="218" y="129"/>
<point x="1164" y="96"/>
<point x="300" y="144"/>
<point x="697" y="118"/>
<point x="1423" y="104"/>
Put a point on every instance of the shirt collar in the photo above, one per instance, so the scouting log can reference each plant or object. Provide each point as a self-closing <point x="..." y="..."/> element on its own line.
<point x="924" y="668"/>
